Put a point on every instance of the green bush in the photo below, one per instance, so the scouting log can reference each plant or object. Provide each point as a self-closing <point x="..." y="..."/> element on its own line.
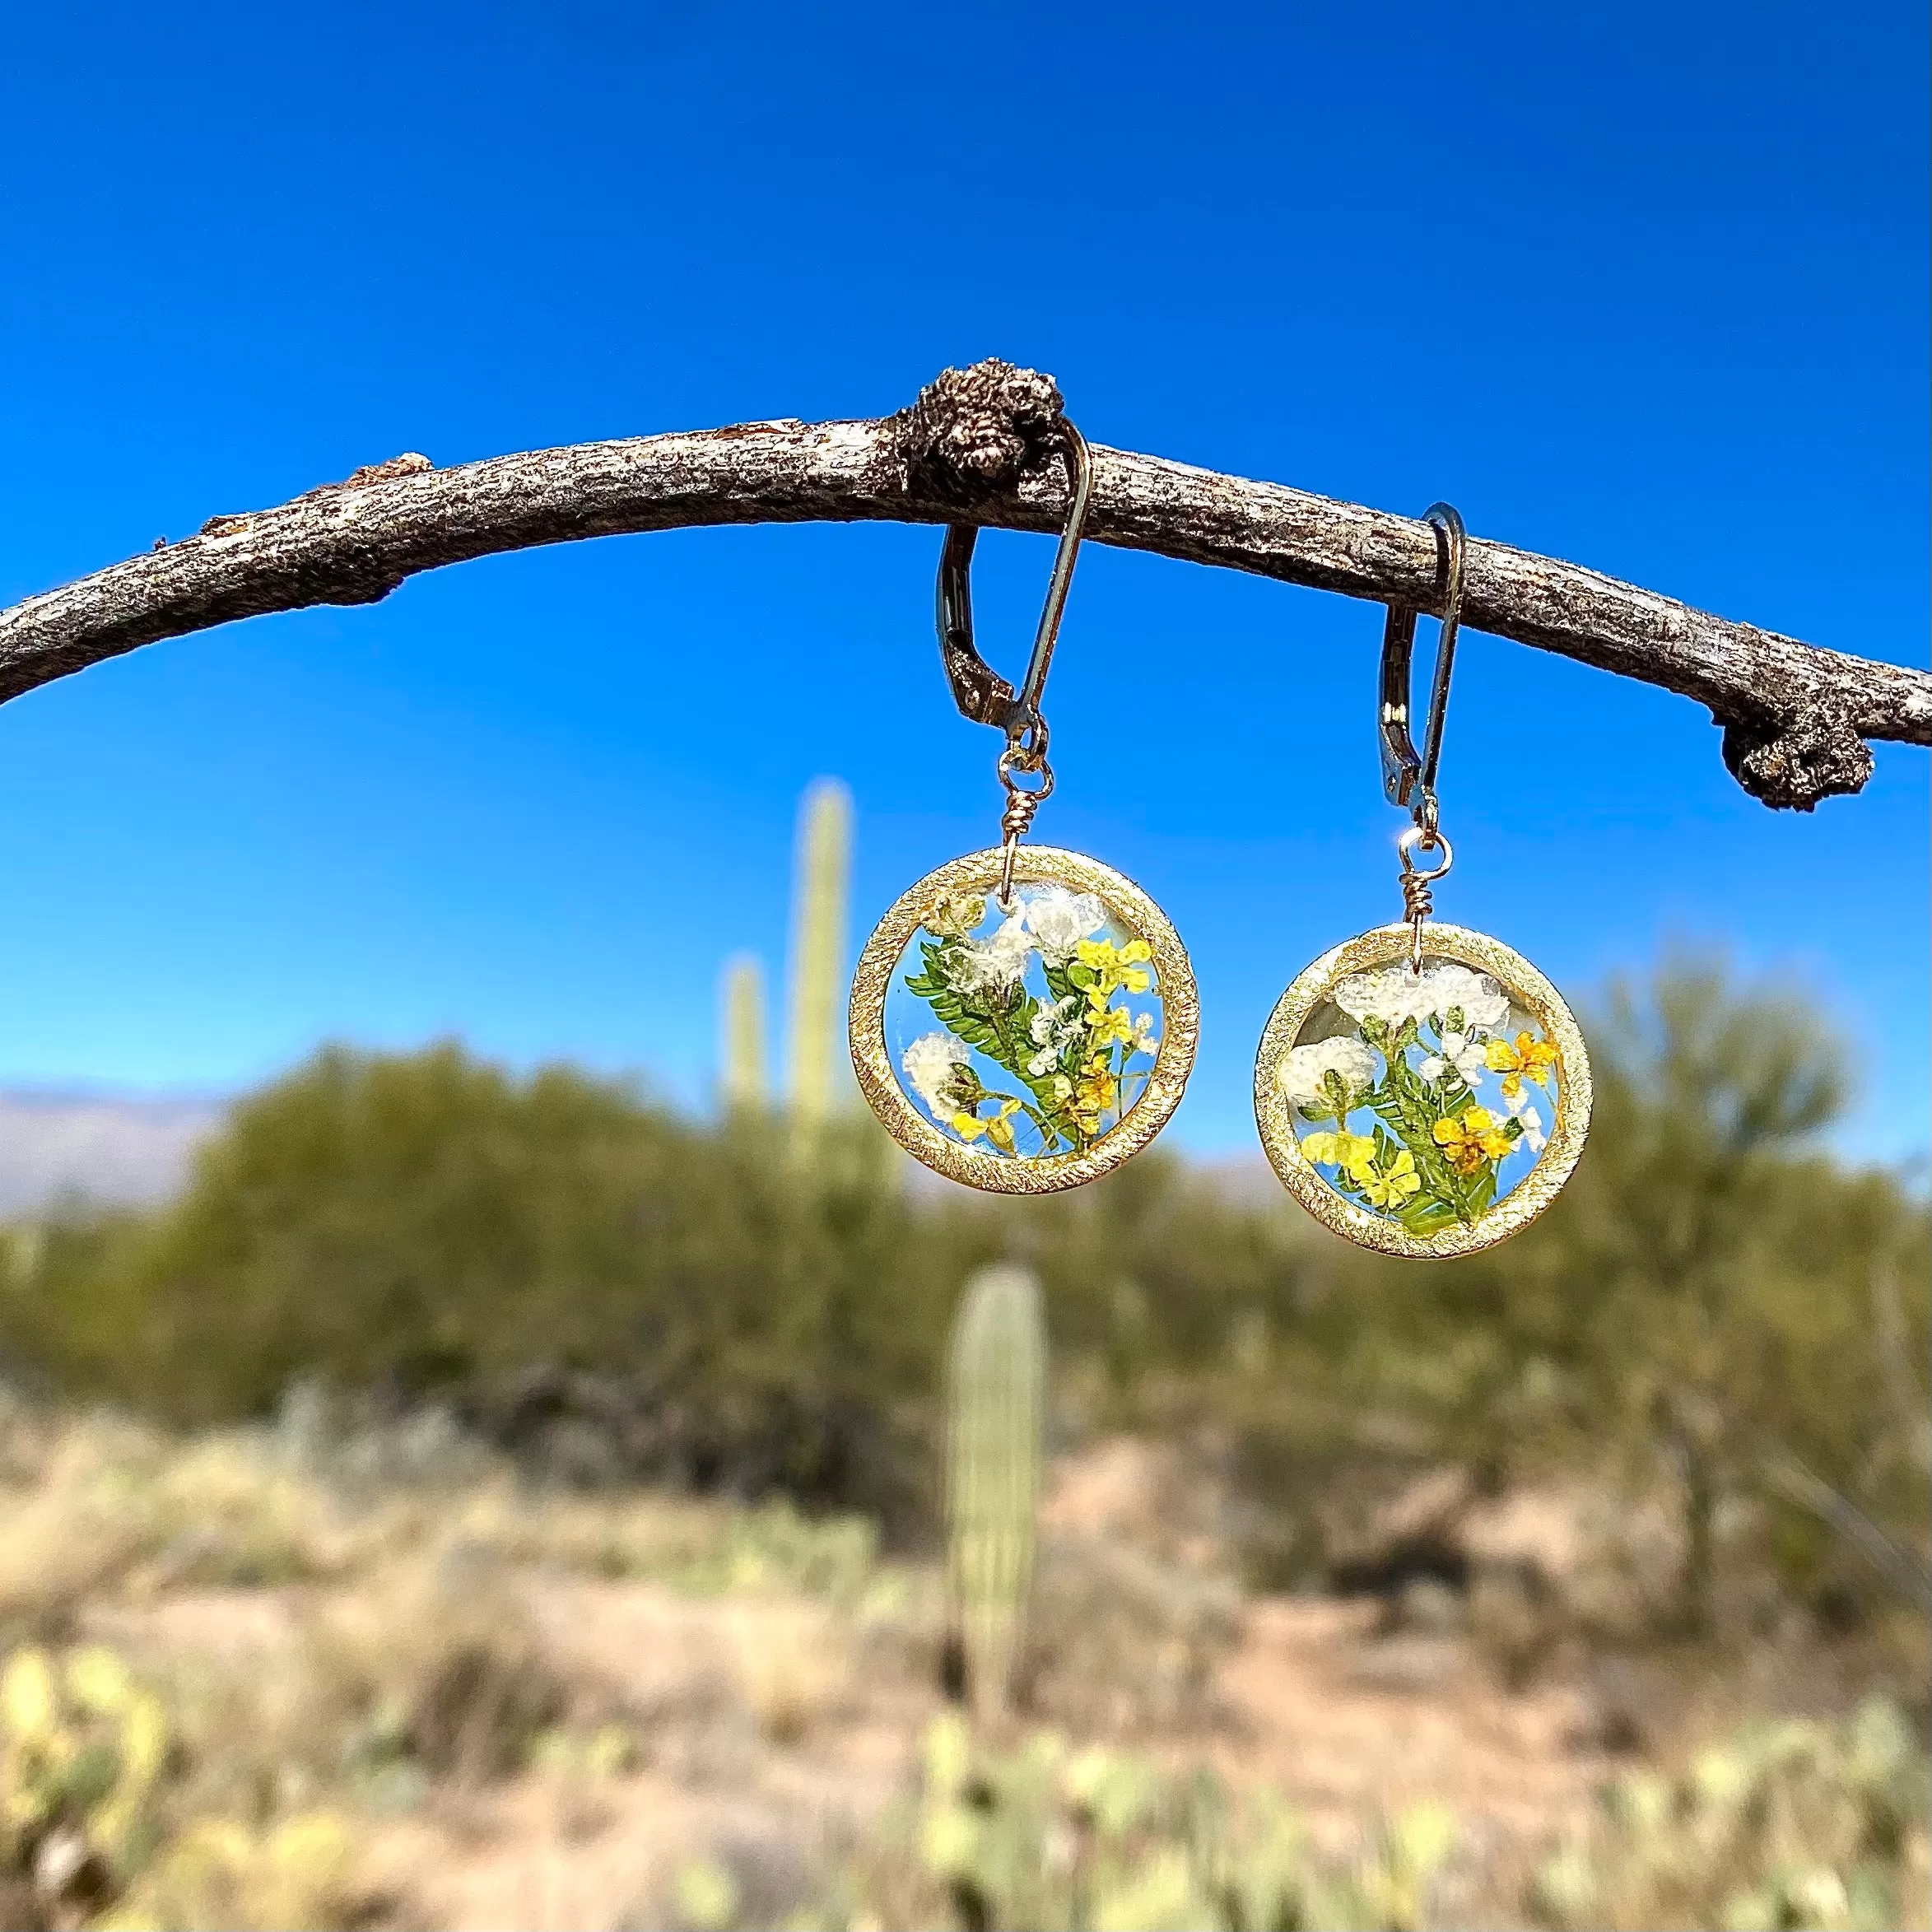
<point x="1714" y="1310"/>
<point x="727" y="1307"/>
<point x="1712" y="1304"/>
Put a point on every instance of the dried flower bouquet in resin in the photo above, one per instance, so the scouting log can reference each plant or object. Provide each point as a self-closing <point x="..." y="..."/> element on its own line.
<point x="1028" y="1045"/>
<point x="1427" y="1111"/>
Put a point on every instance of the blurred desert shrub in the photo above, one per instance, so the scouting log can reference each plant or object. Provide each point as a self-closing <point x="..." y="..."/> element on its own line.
<point x="95" y="1504"/>
<point x="1123" y="1642"/>
<point x="1045" y="1835"/>
<point x="1716" y="1312"/>
<point x="591" y="1274"/>
<point x="590" y="1279"/>
<point x="1787" y="1823"/>
<point x="100" y="1509"/>
<point x="1715" y="1296"/>
<point x="1716" y="1315"/>
<point x="1780" y="1826"/>
<point x="444" y="1667"/>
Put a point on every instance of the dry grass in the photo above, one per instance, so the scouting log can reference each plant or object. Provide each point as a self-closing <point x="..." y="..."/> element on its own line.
<point x="400" y="1687"/>
<point x="794" y="1665"/>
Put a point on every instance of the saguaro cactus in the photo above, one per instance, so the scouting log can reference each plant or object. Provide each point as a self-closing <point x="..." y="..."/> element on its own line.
<point x="996" y="1381"/>
<point x="741" y="1074"/>
<point x="818" y="947"/>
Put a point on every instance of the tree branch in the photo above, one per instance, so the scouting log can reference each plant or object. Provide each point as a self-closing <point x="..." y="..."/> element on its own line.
<point x="1901" y="1568"/>
<point x="980" y="445"/>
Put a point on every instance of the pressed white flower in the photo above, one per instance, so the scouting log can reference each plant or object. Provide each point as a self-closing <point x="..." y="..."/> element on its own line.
<point x="1302" y="1075"/>
<point x="996" y="964"/>
<point x="1054" y="1022"/>
<point x="1145" y="1039"/>
<point x="1058" y="920"/>
<point x="1394" y="993"/>
<point x="1462" y="1053"/>
<point x="1517" y="1104"/>
<point x="1485" y="1006"/>
<point x="932" y="1063"/>
<point x="1391" y="994"/>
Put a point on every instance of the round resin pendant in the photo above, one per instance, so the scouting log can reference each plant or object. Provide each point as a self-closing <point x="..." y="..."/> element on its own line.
<point x="1028" y="1047"/>
<point x="1423" y="1112"/>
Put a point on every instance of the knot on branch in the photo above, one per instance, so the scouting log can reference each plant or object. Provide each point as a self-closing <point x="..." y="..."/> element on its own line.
<point x="410" y="463"/>
<point x="1810" y="752"/>
<point x="975" y="431"/>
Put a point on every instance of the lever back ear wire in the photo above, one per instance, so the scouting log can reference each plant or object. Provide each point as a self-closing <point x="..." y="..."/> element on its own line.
<point x="980" y="692"/>
<point x="1409" y="778"/>
<point x="1023" y="1019"/>
<point x="1402" y="1081"/>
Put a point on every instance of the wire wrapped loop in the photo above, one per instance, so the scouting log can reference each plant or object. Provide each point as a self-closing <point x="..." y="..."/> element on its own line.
<point x="1017" y="820"/>
<point x="1417" y="900"/>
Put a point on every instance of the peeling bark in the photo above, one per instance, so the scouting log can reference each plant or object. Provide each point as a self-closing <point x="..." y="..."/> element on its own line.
<point x="983" y="445"/>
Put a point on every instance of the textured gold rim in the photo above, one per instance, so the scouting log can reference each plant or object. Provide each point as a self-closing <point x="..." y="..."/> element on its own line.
<point x="1528" y="988"/>
<point x="978" y="872"/>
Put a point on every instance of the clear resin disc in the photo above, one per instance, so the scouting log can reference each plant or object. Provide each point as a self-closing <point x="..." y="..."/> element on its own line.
<point x="1423" y="1112"/>
<point x="1025" y="1047"/>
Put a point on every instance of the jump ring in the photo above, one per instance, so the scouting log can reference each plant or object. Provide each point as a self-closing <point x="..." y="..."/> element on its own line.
<point x="1416" y="839"/>
<point x="1013" y="760"/>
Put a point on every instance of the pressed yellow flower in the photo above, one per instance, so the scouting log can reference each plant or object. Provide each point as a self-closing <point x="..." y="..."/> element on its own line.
<point x="1530" y="1056"/>
<point x="1391" y="1186"/>
<point x="1471" y="1137"/>
<point x="998" y="1129"/>
<point x="1096" y="1092"/>
<point x="1353" y="1153"/>
<point x="1116" y="966"/>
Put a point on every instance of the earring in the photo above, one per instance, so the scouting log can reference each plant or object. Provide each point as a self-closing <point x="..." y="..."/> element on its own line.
<point x="1403" y="1080"/>
<point x="1024" y="1019"/>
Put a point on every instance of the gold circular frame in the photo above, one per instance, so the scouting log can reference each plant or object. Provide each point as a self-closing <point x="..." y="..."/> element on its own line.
<point x="979" y="872"/>
<point x="1527" y="988"/>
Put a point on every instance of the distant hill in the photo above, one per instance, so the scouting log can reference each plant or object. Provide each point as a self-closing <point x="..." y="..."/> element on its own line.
<point x="109" y="1147"/>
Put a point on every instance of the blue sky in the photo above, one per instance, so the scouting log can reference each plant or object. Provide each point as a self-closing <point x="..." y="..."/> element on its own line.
<point x="1645" y="289"/>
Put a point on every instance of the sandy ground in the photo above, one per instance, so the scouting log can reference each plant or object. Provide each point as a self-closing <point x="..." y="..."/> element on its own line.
<point x="1344" y="1724"/>
<point x="773" y="1729"/>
